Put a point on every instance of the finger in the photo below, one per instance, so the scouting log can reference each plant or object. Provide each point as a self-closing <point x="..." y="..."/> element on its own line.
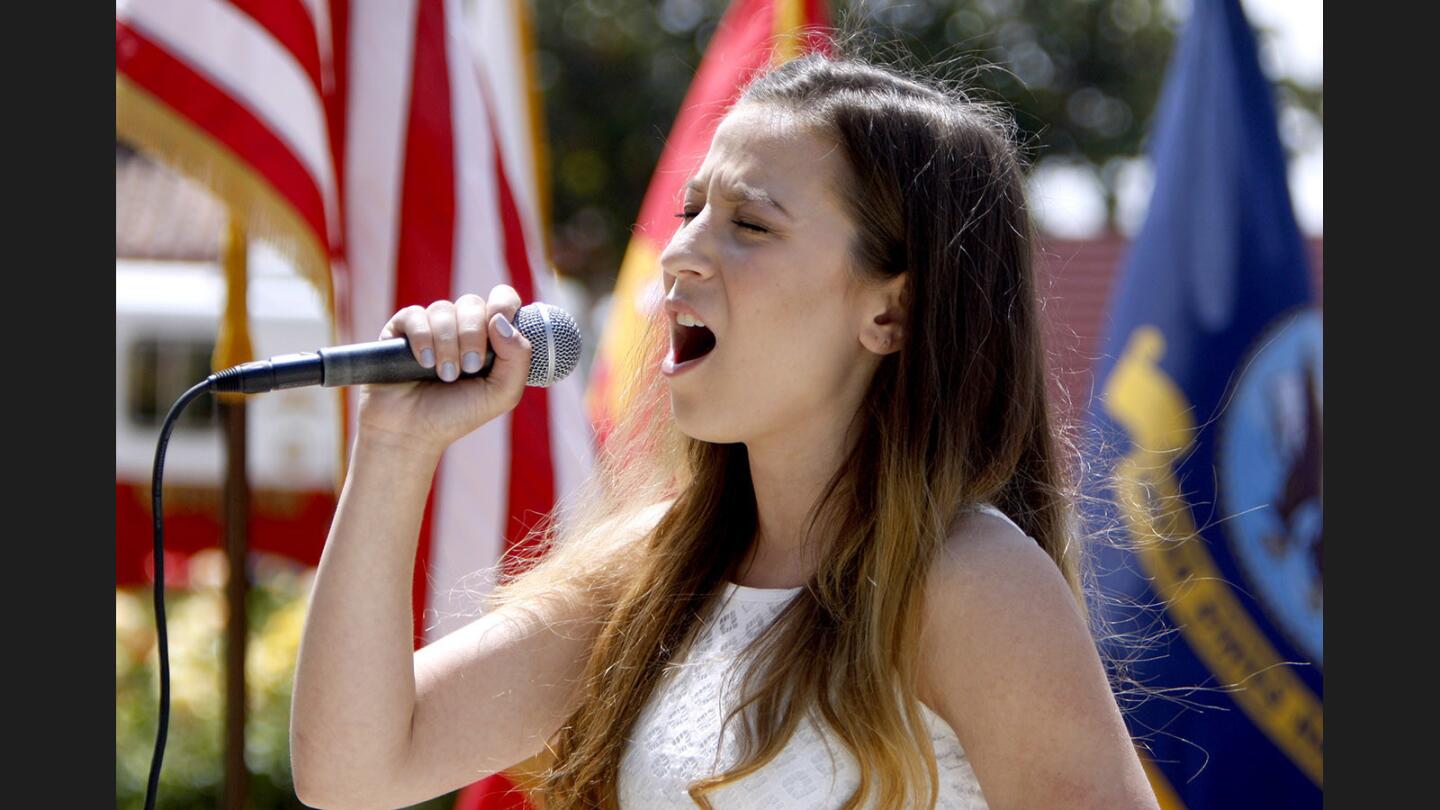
<point x="470" y="317"/>
<point x="512" y="360"/>
<point x="410" y="323"/>
<point x="444" y="334"/>
<point x="394" y="327"/>
<point x="504" y="299"/>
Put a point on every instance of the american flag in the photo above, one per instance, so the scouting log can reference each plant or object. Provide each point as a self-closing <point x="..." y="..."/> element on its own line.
<point x="393" y="150"/>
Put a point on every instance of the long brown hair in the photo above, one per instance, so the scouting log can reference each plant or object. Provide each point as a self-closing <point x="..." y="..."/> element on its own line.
<point x="961" y="414"/>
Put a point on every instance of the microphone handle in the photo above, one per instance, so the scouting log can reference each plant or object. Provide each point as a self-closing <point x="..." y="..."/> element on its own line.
<point x="383" y="361"/>
<point x="380" y="361"/>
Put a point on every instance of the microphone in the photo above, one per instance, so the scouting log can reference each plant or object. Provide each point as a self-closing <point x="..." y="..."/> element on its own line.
<point x="552" y="332"/>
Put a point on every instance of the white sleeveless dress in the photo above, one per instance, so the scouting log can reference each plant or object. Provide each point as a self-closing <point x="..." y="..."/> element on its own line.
<point x="677" y="738"/>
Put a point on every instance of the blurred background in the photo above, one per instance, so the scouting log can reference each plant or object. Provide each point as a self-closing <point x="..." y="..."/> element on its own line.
<point x="1083" y="78"/>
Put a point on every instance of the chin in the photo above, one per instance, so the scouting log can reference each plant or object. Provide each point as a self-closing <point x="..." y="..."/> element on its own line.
<point x="698" y="426"/>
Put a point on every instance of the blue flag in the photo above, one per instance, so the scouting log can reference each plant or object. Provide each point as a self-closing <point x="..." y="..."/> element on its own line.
<point x="1209" y="408"/>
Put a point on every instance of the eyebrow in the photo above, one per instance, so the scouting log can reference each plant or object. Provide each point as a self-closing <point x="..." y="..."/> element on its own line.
<point x="739" y="193"/>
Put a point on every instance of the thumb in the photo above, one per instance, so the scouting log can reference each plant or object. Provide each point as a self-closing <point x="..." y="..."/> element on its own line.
<point x="512" y="356"/>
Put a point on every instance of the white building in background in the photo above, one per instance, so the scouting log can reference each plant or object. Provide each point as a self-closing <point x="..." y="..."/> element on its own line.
<point x="166" y="314"/>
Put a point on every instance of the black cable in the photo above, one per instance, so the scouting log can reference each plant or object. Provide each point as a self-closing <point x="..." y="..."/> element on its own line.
<point x="158" y="513"/>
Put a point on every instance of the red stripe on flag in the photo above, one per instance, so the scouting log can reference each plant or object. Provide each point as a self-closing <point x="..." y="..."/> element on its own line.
<point x="337" y="116"/>
<point x="195" y="97"/>
<point x="494" y="792"/>
<point x="289" y="22"/>
<point x="531" y="485"/>
<point x="425" y="252"/>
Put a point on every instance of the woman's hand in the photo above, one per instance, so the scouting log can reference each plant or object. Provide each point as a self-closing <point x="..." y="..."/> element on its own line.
<point x="452" y="337"/>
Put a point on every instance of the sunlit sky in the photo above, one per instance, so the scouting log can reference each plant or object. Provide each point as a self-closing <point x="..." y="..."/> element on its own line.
<point x="1069" y="199"/>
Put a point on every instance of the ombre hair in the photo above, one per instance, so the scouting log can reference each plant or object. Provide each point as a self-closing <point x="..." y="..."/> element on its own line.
<point x="961" y="414"/>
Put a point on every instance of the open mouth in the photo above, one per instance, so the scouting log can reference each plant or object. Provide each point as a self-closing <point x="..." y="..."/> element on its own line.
<point x="691" y="342"/>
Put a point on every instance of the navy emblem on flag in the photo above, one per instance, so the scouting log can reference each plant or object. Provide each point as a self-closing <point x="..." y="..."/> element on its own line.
<point x="1208" y="409"/>
<point x="1270" y="477"/>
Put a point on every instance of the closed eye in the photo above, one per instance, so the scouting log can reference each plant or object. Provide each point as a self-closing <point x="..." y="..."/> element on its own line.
<point x="688" y="215"/>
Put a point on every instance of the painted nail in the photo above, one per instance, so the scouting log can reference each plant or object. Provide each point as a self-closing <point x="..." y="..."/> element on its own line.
<point x="470" y="362"/>
<point x="447" y="371"/>
<point x="427" y="358"/>
<point x="504" y="328"/>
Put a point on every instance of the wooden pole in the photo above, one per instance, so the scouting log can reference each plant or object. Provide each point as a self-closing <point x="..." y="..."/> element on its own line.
<point x="232" y="347"/>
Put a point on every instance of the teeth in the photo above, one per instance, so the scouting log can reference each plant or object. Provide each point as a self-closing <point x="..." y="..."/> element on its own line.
<point x="685" y="320"/>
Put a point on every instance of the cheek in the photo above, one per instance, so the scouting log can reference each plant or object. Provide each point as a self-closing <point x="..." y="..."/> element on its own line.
<point x="790" y="319"/>
<point x="807" y="346"/>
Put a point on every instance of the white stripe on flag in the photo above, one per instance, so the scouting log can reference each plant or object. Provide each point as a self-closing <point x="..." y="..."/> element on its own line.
<point x="320" y="15"/>
<point x="471" y="504"/>
<point x="499" y="59"/>
<point x="245" y="62"/>
<point x="382" y="42"/>
<point x="499" y="63"/>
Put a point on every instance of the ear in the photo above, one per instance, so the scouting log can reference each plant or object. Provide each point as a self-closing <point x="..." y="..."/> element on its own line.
<point x="883" y="330"/>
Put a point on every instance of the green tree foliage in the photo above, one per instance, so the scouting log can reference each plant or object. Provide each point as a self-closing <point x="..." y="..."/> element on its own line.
<point x="1082" y="77"/>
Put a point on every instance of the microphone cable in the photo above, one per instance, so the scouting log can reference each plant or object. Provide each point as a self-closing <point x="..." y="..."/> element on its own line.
<point x="555" y="342"/>
<point x="153" y="786"/>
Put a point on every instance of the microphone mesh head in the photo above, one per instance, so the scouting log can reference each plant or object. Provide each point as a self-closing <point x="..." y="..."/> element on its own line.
<point x="554" y="342"/>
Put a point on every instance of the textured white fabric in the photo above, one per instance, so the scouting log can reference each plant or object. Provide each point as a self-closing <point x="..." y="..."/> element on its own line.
<point x="677" y="738"/>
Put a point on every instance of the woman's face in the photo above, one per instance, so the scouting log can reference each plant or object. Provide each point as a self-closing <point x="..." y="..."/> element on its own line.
<point x="770" y="281"/>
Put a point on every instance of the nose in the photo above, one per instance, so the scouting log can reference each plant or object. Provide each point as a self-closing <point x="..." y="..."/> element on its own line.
<point x="689" y="250"/>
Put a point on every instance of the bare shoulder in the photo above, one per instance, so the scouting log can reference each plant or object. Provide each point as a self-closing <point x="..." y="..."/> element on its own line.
<point x="1008" y="662"/>
<point x="989" y="582"/>
<point x="645" y="520"/>
<point x="624" y="532"/>
<point x="988" y="552"/>
<point x="595" y="567"/>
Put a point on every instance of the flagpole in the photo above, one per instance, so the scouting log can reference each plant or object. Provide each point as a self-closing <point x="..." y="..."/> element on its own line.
<point x="232" y="347"/>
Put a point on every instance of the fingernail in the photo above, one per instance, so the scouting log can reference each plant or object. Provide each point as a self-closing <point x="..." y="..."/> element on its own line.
<point x="447" y="371"/>
<point x="427" y="358"/>
<point x="504" y="328"/>
<point x="470" y="362"/>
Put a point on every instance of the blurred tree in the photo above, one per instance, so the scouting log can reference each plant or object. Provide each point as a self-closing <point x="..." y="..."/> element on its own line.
<point x="1081" y="76"/>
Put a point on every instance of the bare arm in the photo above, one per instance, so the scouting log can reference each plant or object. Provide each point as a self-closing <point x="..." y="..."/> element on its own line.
<point x="376" y="725"/>
<point x="354" y="688"/>
<point x="1009" y="663"/>
<point x="490" y="695"/>
<point x="354" y="702"/>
